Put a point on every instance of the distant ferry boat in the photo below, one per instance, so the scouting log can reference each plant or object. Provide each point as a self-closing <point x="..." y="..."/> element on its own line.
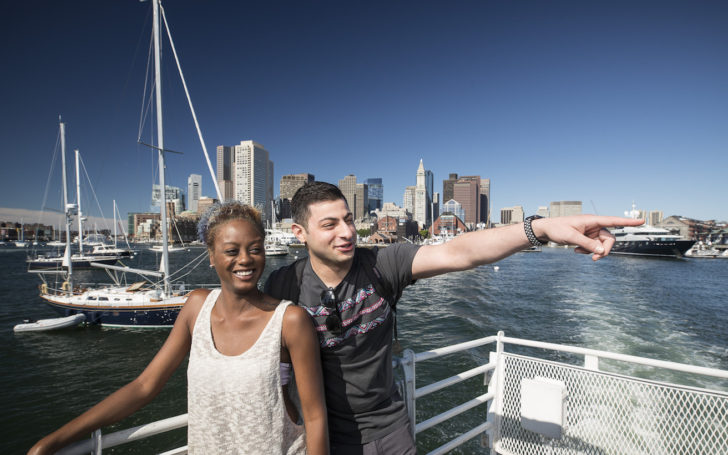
<point x="648" y="240"/>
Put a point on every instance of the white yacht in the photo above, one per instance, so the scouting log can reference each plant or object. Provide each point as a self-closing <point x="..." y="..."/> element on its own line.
<point x="648" y="240"/>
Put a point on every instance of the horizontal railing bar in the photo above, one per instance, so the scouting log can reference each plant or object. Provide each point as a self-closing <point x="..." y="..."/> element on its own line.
<point x="452" y="380"/>
<point x="128" y="435"/>
<point x="434" y="353"/>
<point x="621" y="357"/>
<point x="457" y="410"/>
<point x="457" y="442"/>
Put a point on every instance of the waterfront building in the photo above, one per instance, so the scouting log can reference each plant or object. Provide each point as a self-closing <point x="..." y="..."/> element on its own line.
<point x="253" y="177"/>
<point x="655" y="217"/>
<point x="357" y="196"/>
<point x="225" y="171"/>
<point x="391" y="209"/>
<point x="435" y="205"/>
<point x="447" y="187"/>
<point x="448" y="224"/>
<point x="542" y="211"/>
<point x="512" y="215"/>
<point x="564" y="208"/>
<point x="172" y="194"/>
<point x="467" y="192"/>
<point x="454" y="207"/>
<point x="376" y="193"/>
<point x="194" y="186"/>
<point x="408" y="199"/>
<point x="485" y="201"/>
<point x="292" y="182"/>
<point x="204" y="204"/>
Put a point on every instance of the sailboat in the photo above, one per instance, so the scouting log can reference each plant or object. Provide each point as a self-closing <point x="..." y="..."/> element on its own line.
<point x="80" y="260"/>
<point x="21" y="242"/>
<point x="144" y="303"/>
<point x="105" y="249"/>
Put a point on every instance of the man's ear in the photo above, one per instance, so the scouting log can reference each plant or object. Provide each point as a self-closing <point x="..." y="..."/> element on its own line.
<point x="299" y="232"/>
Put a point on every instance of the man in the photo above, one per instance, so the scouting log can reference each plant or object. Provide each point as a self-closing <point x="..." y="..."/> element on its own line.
<point x="350" y="294"/>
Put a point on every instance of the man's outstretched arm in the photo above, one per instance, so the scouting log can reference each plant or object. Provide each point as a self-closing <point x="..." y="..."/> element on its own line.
<point x="587" y="232"/>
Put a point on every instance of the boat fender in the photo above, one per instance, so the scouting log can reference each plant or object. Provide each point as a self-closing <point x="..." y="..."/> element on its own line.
<point x="66" y="286"/>
<point x="44" y="288"/>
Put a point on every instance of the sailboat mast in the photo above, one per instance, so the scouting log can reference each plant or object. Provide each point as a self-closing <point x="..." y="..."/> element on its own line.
<point x="114" y="223"/>
<point x="160" y="143"/>
<point x="78" y="202"/>
<point x="66" y="209"/>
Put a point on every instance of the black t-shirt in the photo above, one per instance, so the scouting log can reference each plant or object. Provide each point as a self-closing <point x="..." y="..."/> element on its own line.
<point x="361" y="397"/>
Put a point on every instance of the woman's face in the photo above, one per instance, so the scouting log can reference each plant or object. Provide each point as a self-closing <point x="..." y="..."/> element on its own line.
<point x="238" y="256"/>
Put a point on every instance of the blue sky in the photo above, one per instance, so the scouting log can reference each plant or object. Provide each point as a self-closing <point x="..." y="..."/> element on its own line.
<point x="602" y="102"/>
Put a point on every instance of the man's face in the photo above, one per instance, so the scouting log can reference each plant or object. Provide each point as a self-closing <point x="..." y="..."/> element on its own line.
<point x="329" y="232"/>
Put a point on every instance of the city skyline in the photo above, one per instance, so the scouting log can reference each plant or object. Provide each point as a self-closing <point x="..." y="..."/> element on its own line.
<point x="599" y="102"/>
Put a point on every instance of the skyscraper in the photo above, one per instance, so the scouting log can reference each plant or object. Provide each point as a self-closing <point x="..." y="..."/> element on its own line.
<point x="447" y="185"/>
<point x="356" y="194"/>
<point x="194" y="185"/>
<point x="376" y="193"/>
<point x="253" y="176"/>
<point x="564" y="208"/>
<point x="292" y="182"/>
<point x="423" y="196"/>
<point x="225" y="171"/>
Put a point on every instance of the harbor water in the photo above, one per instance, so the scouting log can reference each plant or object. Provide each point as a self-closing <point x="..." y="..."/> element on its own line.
<point x="669" y="309"/>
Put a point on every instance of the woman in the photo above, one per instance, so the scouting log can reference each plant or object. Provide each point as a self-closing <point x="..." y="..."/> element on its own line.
<point x="240" y="341"/>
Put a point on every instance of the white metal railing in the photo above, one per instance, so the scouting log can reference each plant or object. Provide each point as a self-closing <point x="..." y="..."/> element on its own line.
<point x="607" y="412"/>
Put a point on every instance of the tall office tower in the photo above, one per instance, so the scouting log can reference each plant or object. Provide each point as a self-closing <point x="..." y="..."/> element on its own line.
<point x="291" y="183"/>
<point x="423" y="197"/>
<point x="356" y="194"/>
<point x="225" y="157"/>
<point x="376" y="193"/>
<point x="467" y="192"/>
<point x="447" y="185"/>
<point x="435" y="206"/>
<point x="655" y="217"/>
<point x="485" y="201"/>
<point x="194" y="185"/>
<point x="252" y="177"/>
<point x="564" y="208"/>
<point x="512" y="215"/>
<point x="408" y="199"/>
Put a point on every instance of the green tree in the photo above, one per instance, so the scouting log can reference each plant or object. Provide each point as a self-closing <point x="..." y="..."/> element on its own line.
<point x="363" y="232"/>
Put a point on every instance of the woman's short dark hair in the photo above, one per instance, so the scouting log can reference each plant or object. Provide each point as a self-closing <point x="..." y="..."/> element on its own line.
<point x="221" y="213"/>
<point x="311" y="193"/>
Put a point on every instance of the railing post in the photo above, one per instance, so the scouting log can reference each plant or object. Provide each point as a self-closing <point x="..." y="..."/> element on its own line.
<point x="591" y="362"/>
<point x="408" y="365"/>
<point x="96" y="444"/>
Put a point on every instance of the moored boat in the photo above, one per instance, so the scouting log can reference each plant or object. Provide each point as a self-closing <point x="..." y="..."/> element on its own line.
<point x="648" y="240"/>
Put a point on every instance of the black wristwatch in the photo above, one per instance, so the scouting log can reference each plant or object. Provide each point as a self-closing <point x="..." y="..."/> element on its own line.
<point x="529" y="232"/>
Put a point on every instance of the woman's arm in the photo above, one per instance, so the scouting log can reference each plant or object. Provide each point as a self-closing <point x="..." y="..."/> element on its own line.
<point x="300" y="339"/>
<point x="134" y="395"/>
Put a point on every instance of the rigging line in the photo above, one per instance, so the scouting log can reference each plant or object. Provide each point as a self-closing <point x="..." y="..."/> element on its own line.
<point x="121" y="225"/>
<point x="90" y="184"/>
<point x="189" y="101"/>
<point x="177" y="275"/>
<point x="145" y="104"/>
<point x="50" y="173"/>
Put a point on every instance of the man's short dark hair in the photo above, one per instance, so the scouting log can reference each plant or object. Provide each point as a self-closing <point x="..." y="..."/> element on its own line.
<point x="311" y="193"/>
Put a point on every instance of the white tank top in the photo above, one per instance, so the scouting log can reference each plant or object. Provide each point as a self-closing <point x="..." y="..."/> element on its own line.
<point x="235" y="403"/>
